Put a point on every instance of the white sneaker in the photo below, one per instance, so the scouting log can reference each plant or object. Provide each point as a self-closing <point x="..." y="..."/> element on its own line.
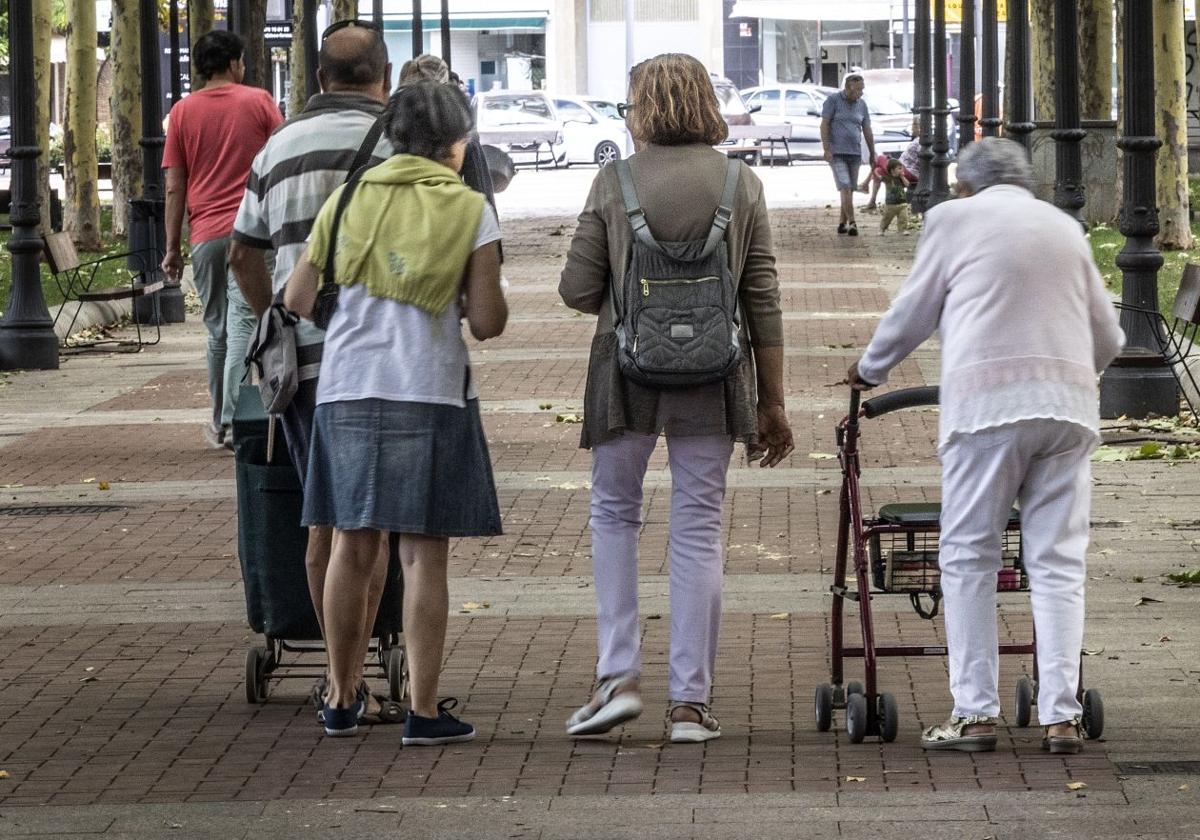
<point x="690" y="731"/>
<point x="615" y="701"/>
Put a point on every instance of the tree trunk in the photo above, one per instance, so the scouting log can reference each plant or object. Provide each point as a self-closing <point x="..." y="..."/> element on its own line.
<point x="1095" y="59"/>
<point x="79" y="132"/>
<point x="42" y="10"/>
<point x="344" y="9"/>
<point x="256" y="46"/>
<point x="1041" y="42"/>
<point x="1119" y="16"/>
<point x="1170" y="101"/>
<point x="299" y="72"/>
<point x="126" y="105"/>
<point x="200" y="23"/>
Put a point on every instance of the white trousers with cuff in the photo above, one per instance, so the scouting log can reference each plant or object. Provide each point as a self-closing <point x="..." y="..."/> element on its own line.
<point x="1043" y="464"/>
<point x="698" y="470"/>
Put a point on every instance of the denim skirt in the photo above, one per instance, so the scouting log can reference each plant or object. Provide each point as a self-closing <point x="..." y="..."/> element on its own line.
<point x="405" y="467"/>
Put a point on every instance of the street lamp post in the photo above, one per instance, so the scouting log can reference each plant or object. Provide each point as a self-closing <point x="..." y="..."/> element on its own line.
<point x="939" y="189"/>
<point x="990" y="122"/>
<point x="1068" y="133"/>
<point x="966" y="76"/>
<point x="1139" y="382"/>
<point x="445" y="32"/>
<point x="1019" y="125"/>
<point x="418" y="33"/>
<point x="147" y="232"/>
<point x="176" y="80"/>
<point x="922" y="107"/>
<point x="27" y="339"/>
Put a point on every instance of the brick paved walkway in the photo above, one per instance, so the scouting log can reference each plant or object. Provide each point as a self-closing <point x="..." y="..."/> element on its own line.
<point x="122" y="645"/>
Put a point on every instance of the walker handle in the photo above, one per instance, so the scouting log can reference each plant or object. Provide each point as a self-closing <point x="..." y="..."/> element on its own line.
<point x="896" y="400"/>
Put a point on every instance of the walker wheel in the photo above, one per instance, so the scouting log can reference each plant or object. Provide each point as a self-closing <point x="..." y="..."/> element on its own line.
<point x="256" y="674"/>
<point x="824" y="707"/>
<point x="856" y="718"/>
<point x="1093" y="714"/>
<point x="397" y="674"/>
<point x="889" y="717"/>
<point x="854" y="687"/>
<point x="1024" y="701"/>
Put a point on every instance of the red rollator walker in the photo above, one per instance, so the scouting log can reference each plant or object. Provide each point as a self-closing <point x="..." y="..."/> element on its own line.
<point x="896" y="553"/>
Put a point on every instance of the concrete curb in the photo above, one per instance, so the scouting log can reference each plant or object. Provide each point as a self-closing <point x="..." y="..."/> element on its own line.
<point x="90" y="314"/>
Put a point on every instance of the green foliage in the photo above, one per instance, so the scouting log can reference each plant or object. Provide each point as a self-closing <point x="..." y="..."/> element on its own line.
<point x="1107" y="243"/>
<point x="1189" y="578"/>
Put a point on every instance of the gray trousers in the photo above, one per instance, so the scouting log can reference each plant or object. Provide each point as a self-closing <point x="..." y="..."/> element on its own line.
<point x="698" y="469"/>
<point x="230" y="323"/>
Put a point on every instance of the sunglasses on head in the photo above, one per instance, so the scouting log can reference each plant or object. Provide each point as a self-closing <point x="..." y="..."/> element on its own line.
<point x="623" y="109"/>
<point x="348" y="22"/>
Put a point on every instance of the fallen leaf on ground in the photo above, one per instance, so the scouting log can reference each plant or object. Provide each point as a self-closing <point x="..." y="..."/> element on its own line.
<point x="568" y="418"/>
<point x="545" y="406"/>
<point x="1095" y="652"/>
<point x="471" y="605"/>
<point x="1165" y="639"/>
<point x="103" y="485"/>
<point x="821" y="456"/>
<point x="3" y="774"/>
<point x="856" y="778"/>
<point x="1146" y="599"/>
<point x="780" y="615"/>
<point x="1076" y="785"/>
<point x="88" y="480"/>
<point x="1185" y="786"/>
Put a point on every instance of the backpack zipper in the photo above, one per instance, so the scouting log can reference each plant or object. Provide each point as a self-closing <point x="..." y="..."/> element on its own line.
<point x="683" y="282"/>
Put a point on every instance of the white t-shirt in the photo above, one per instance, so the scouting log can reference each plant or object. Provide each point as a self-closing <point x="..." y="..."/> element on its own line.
<point x="377" y="348"/>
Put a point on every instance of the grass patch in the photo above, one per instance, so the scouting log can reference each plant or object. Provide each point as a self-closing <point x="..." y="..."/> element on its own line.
<point x="111" y="274"/>
<point x="1107" y="242"/>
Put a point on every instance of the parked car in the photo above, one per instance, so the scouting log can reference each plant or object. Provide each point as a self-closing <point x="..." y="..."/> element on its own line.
<point x="591" y="136"/>
<point x="515" y="112"/>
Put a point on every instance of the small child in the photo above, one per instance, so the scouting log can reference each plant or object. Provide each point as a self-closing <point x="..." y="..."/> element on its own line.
<point x="896" y="198"/>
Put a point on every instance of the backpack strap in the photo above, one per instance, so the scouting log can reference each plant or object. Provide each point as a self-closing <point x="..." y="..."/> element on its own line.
<point x="327" y="277"/>
<point x="724" y="209"/>
<point x="633" y="208"/>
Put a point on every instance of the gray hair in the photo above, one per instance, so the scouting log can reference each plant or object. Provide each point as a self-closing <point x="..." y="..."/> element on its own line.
<point x="993" y="161"/>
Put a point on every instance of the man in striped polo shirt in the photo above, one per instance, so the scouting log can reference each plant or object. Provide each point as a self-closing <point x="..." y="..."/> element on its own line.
<point x="304" y="161"/>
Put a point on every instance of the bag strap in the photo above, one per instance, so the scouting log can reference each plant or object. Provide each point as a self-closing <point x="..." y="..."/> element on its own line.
<point x="327" y="276"/>
<point x="633" y="208"/>
<point x="367" y="149"/>
<point x="724" y="209"/>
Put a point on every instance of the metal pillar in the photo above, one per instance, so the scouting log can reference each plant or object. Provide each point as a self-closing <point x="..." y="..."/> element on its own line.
<point x="1068" y="133"/>
<point x="308" y="9"/>
<point x="173" y="39"/>
<point x="418" y="34"/>
<point x="1139" y="382"/>
<point x="27" y="339"/>
<point x="147" y="231"/>
<point x="922" y="107"/>
<point x="939" y="188"/>
<point x="377" y="13"/>
<point x="906" y="36"/>
<point x="445" y="26"/>
<point x="1020" y="124"/>
<point x="990" y="121"/>
<point x="966" y="76"/>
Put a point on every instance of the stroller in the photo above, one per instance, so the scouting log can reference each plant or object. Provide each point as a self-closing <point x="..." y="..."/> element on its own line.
<point x="896" y="552"/>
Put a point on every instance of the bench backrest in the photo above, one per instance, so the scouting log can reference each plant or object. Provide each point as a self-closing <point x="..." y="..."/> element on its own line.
<point x="60" y="252"/>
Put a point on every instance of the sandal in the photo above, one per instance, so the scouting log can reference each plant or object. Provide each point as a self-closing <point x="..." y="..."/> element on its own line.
<point x="615" y="701"/>
<point x="690" y="731"/>
<point x="317" y="695"/>
<point x="952" y="735"/>
<point x="1063" y="744"/>
<point x="389" y="710"/>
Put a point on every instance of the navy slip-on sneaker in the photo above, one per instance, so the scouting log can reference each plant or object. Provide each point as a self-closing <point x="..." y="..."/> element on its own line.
<point x="443" y="729"/>
<point x="340" y="723"/>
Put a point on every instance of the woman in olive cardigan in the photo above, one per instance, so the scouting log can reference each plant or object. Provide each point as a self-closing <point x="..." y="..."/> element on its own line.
<point x="674" y="118"/>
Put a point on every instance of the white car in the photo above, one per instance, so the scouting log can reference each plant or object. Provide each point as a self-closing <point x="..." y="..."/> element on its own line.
<point x="522" y="123"/>
<point x="594" y="131"/>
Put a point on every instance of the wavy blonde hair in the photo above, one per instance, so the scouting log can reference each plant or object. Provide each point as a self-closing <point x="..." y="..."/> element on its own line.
<point x="672" y="103"/>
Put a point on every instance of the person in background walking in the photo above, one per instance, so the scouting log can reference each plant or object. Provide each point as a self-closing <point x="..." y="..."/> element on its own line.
<point x="290" y="179"/>
<point x="845" y="125"/>
<point x="675" y="120"/>
<point x="397" y="441"/>
<point x="212" y="136"/>
<point x="1026" y="327"/>
<point x="895" y="201"/>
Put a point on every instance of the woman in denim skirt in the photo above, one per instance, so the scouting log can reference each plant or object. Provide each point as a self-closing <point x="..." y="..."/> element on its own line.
<point x="397" y="442"/>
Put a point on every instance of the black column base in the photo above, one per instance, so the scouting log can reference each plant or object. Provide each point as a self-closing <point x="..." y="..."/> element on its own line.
<point x="1137" y="392"/>
<point x="28" y="348"/>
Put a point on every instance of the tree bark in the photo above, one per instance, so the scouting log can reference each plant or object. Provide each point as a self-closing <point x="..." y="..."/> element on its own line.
<point x="1095" y="59"/>
<point x="1119" y="16"/>
<point x="42" y="11"/>
<point x="125" y="103"/>
<point x="1170" y="100"/>
<point x="256" y="45"/>
<point x="1041" y="42"/>
<point x="82" y="203"/>
<point x="299" y="73"/>
<point x="344" y="9"/>
<point x="200" y="23"/>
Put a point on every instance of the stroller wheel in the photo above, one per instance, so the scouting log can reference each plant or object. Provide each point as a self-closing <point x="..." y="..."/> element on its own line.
<point x="854" y="687"/>
<point x="256" y="679"/>
<point x="397" y="674"/>
<point x="1093" y="714"/>
<point x="1024" y="701"/>
<point x="889" y="717"/>
<point x="824" y="707"/>
<point x="856" y="718"/>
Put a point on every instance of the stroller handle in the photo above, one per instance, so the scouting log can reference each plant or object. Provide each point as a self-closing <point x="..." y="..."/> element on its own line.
<point x="896" y="400"/>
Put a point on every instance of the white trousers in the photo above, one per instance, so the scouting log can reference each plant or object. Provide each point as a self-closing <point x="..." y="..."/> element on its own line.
<point x="698" y="469"/>
<point x="1043" y="464"/>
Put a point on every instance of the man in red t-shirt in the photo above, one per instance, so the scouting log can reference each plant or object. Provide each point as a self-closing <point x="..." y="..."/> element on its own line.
<point x="212" y="138"/>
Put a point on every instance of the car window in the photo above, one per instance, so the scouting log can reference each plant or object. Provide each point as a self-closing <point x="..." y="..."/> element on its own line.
<point x="798" y="104"/>
<point x="730" y="99"/>
<point x="572" y="111"/>
<point x="605" y="109"/>
<point x="535" y="105"/>
<point x="883" y="106"/>
<point x="768" y="99"/>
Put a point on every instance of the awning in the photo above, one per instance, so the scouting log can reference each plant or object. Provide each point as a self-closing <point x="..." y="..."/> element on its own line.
<point x="814" y="9"/>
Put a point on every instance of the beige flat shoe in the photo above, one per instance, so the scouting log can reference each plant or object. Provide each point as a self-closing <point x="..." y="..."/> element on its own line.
<point x="690" y="731"/>
<point x="953" y="735"/>
<point x="1063" y="744"/>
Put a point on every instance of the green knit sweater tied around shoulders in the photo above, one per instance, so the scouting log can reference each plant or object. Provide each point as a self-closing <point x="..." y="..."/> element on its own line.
<point x="406" y="234"/>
